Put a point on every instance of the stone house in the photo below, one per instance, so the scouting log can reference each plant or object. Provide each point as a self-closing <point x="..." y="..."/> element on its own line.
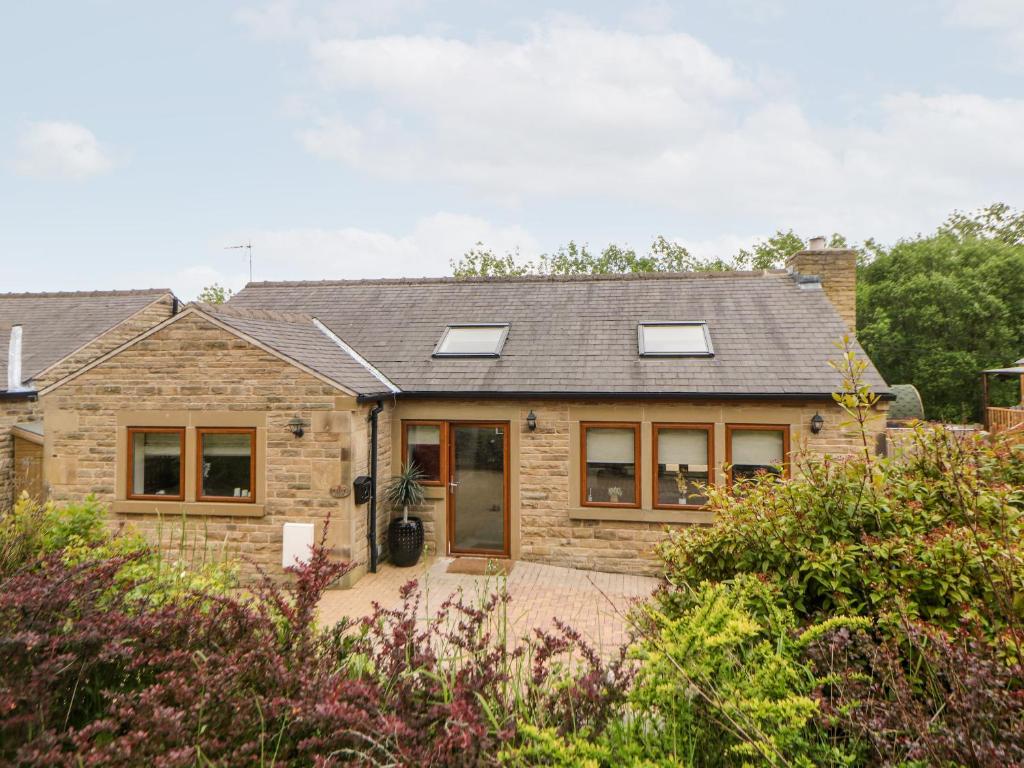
<point x="561" y="420"/>
<point x="45" y="336"/>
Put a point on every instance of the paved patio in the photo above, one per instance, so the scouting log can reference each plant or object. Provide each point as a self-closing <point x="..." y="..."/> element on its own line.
<point x="593" y="603"/>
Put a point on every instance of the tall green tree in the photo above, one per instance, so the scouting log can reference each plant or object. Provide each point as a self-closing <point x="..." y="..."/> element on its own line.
<point x="663" y="255"/>
<point x="936" y="310"/>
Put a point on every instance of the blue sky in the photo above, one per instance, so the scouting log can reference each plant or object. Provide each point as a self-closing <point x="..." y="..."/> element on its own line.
<point x="355" y="139"/>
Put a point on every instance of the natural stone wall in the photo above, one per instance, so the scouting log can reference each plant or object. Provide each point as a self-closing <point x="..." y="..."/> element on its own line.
<point x="16" y="411"/>
<point x="126" y="330"/>
<point x="12" y="412"/>
<point x="548" y="523"/>
<point x="193" y="373"/>
<point x="361" y="447"/>
<point x="837" y="268"/>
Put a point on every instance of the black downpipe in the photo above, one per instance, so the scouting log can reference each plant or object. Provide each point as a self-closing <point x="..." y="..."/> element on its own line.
<point x="371" y="534"/>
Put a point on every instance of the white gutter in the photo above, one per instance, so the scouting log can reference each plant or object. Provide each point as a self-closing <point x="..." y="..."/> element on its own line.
<point x="392" y="387"/>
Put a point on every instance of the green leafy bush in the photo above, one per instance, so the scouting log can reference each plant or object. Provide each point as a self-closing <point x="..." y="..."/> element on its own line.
<point x="933" y="535"/>
<point x="80" y="533"/>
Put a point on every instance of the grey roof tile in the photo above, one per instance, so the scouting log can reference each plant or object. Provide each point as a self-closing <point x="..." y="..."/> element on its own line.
<point x="295" y="336"/>
<point x="579" y="334"/>
<point x="54" y="325"/>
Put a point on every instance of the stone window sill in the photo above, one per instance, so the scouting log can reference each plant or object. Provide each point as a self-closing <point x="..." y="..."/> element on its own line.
<point x="642" y="515"/>
<point x="190" y="508"/>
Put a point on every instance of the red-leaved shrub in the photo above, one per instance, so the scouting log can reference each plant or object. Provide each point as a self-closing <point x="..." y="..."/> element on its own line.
<point x="927" y="697"/>
<point x="92" y="676"/>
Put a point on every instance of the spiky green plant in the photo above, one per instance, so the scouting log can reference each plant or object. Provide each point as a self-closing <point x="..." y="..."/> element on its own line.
<point x="405" y="490"/>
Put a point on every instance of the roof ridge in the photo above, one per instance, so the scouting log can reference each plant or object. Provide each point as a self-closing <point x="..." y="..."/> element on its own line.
<point x="247" y="313"/>
<point x="86" y="294"/>
<point x="617" y="277"/>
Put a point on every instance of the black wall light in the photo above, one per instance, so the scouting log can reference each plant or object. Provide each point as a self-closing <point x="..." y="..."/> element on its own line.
<point x="531" y="420"/>
<point x="297" y="426"/>
<point x="817" y="423"/>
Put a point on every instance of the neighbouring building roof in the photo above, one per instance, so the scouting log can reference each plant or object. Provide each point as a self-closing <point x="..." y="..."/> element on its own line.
<point x="298" y="337"/>
<point x="55" y="325"/>
<point x="907" y="405"/>
<point x="771" y="334"/>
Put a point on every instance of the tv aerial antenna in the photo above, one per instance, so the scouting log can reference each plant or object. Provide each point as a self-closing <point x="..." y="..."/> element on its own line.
<point x="247" y="246"/>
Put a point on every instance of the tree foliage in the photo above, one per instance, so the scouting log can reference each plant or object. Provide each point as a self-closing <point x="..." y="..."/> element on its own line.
<point x="935" y="310"/>
<point x="214" y="294"/>
<point x="663" y="255"/>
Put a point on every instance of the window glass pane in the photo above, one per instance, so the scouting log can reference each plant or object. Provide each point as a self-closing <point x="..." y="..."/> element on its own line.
<point x="227" y="460"/>
<point x="156" y="464"/>
<point x="673" y="339"/>
<point x="423" y="448"/>
<point x="757" y="450"/>
<point x="611" y="465"/>
<point x="471" y="340"/>
<point x="682" y="466"/>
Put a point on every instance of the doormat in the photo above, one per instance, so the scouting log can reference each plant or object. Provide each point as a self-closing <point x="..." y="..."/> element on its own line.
<point x="480" y="566"/>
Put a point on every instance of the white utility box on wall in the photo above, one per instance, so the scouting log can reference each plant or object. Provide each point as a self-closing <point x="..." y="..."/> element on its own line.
<point x="296" y="544"/>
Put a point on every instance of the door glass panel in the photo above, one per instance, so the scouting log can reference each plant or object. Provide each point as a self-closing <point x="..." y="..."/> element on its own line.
<point x="479" y="494"/>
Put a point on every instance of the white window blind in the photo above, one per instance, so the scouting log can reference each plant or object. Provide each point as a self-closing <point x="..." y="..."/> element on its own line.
<point x="156" y="444"/>
<point x="674" y="339"/>
<point x="472" y="340"/>
<point x="683" y="446"/>
<point x="610" y="446"/>
<point x="757" y="447"/>
<point x="423" y="434"/>
<point x="226" y="445"/>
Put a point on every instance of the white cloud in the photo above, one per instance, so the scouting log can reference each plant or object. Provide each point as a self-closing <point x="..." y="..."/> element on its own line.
<point x="1003" y="18"/>
<point x="352" y="253"/>
<point x="572" y="110"/>
<point x="55" y="149"/>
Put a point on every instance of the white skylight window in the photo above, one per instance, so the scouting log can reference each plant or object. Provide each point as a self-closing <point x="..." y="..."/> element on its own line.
<point x="472" y="340"/>
<point x="688" y="338"/>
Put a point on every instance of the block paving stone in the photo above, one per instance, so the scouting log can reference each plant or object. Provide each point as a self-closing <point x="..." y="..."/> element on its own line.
<point x="592" y="602"/>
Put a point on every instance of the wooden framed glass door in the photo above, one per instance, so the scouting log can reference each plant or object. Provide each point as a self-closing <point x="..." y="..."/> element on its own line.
<point x="478" y="490"/>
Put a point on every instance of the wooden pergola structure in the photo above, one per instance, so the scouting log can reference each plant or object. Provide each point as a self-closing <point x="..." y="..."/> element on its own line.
<point x="997" y="419"/>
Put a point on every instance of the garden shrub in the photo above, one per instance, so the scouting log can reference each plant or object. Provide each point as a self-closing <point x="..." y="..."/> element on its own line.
<point x="934" y="535"/>
<point x="950" y="701"/>
<point x="96" y="672"/>
<point x="722" y="682"/>
<point x="80" y="532"/>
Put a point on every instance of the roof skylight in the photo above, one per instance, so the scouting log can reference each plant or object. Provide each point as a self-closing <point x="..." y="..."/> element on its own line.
<point x="688" y="338"/>
<point x="472" y="340"/>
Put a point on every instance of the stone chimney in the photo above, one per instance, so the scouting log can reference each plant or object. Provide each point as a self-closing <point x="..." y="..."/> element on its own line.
<point x="14" y="360"/>
<point x="837" y="270"/>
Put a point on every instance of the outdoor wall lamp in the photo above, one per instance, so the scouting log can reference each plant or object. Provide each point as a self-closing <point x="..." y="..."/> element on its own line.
<point x="531" y="420"/>
<point x="817" y="423"/>
<point x="297" y="426"/>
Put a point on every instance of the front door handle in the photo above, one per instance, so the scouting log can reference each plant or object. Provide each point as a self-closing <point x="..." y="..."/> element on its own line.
<point x="452" y="485"/>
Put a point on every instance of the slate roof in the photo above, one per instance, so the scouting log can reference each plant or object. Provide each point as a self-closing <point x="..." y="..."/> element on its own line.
<point x="295" y="336"/>
<point x="54" y="325"/>
<point x="772" y="334"/>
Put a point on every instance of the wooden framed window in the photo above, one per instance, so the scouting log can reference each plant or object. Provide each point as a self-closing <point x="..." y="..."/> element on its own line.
<point x="684" y="464"/>
<point x="226" y="464"/>
<point x="609" y="462"/>
<point x="423" y="445"/>
<point x="751" y="449"/>
<point x="156" y="466"/>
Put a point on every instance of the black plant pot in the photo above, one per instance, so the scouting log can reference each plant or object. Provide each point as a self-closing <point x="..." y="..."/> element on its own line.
<point x="405" y="541"/>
